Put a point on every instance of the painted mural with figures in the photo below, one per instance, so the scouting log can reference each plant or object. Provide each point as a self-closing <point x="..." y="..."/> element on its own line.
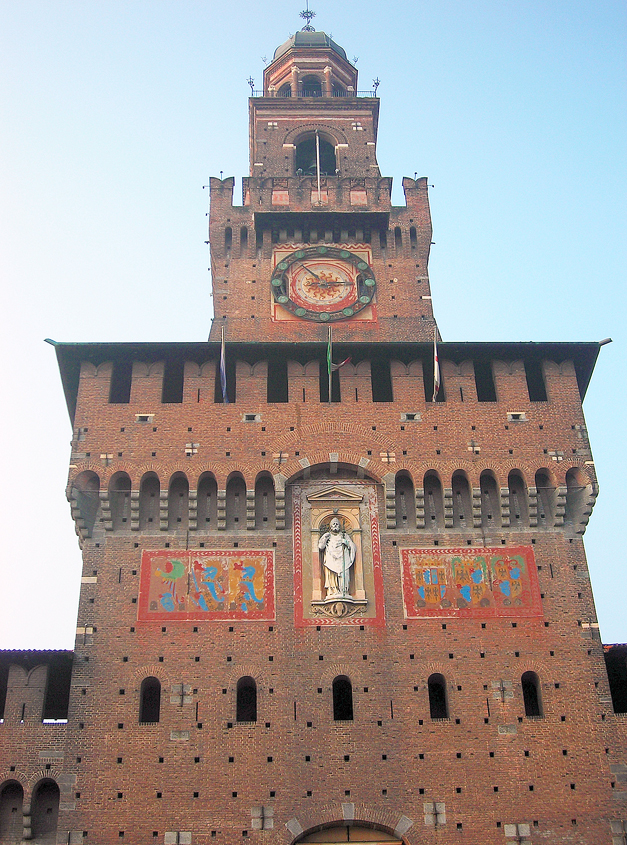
<point x="471" y="581"/>
<point x="207" y="584"/>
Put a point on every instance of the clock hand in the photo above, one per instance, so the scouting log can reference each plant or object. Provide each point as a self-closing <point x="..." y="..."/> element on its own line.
<point x="311" y="273"/>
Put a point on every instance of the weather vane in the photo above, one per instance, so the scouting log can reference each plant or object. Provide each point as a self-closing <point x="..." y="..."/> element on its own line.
<point x="307" y="15"/>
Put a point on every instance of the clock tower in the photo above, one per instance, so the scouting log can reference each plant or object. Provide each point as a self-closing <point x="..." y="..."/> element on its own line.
<point x="331" y="592"/>
<point x="316" y="239"/>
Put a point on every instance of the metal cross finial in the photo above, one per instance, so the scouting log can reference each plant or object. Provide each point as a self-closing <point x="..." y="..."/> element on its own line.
<point x="307" y="15"/>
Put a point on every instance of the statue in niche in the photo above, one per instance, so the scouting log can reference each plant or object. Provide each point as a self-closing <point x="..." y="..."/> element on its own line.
<point x="338" y="556"/>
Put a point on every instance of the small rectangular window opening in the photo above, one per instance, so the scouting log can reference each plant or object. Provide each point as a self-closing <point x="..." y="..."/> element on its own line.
<point x="484" y="381"/>
<point x="535" y="381"/>
<point x="172" y="389"/>
<point x="381" y="379"/>
<point x="277" y="388"/>
<point x="120" y="388"/>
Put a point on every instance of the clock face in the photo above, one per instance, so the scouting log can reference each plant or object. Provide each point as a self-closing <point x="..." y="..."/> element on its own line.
<point x="323" y="283"/>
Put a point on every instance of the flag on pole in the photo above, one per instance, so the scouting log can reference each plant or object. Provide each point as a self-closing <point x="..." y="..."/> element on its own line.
<point x="436" y="367"/>
<point x="331" y="367"/>
<point x="329" y="361"/>
<point x="335" y="367"/>
<point x="225" y="397"/>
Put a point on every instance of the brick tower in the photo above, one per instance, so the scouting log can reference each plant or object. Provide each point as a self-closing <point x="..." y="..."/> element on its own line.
<point x="327" y="595"/>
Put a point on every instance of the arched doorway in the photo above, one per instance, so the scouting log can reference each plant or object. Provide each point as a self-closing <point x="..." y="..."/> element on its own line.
<point x="349" y="833"/>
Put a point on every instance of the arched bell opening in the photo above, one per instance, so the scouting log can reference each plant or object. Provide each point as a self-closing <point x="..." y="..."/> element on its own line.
<point x="306" y="156"/>
<point x="311" y="86"/>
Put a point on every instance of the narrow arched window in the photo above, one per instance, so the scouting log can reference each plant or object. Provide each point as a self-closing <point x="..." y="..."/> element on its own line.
<point x="235" y="503"/>
<point x="438" y="706"/>
<point x="398" y="240"/>
<point x="45" y="810"/>
<point x="86" y="496"/>
<point x="11" y="819"/>
<point x="207" y="498"/>
<point x="178" y="503"/>
<point x="228" y="241"/>
<point x="577" y="490"/>
<point x="243" y="242"/>
<point x="120" y="501"/>
<point x="546" y="496"/>
<point x="264" y="502"/>
<point x="490" y="501"/>
<point x="149" y="493"/>
<point x="246" y="704"/>
<point x="342" y="699"/>
<point x="149" y="701"/>
<point x="285" y="90"/>
<point x="531" y="694"/>
<point x="434" y="501"/>
<point x="413" y="240"/>
<point x="462" y="508"/>
<point x="405" y="501"/>
<point x="518" y="508"/>
<point x="4" y="688"/>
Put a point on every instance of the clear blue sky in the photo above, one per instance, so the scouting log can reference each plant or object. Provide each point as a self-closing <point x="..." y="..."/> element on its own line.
<point x="114" y="114"/>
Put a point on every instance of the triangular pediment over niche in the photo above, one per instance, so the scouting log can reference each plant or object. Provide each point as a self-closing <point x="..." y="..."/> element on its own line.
<point x="335" y="494"/>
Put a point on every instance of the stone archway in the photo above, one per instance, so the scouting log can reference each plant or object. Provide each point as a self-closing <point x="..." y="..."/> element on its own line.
<point x="349" y="833"/>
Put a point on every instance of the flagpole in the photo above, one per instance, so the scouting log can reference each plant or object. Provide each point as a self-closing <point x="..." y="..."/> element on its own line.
<point x="225" y="397"/>
<point x="318" y="165"/>
<point x="330" y="360"/>
<point x="436" y="366"/>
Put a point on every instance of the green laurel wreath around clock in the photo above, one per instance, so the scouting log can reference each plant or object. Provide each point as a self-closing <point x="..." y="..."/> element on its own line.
<point x="365" y="289"/>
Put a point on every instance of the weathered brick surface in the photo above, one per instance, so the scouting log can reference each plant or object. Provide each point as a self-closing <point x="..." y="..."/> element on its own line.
<point x="490" y="765"/>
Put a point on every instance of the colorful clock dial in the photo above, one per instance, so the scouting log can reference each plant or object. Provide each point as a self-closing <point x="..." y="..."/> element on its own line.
<point x="323" y="283"/>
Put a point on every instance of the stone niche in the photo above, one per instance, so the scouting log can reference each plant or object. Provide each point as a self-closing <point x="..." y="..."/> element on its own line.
<point x="337" y="522"/>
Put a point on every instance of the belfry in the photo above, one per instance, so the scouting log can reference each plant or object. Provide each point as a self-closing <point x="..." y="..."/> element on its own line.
<point x="334" y="584"/>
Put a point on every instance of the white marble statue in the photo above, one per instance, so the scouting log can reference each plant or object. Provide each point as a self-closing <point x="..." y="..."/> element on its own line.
<point x="338" y="557"/>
